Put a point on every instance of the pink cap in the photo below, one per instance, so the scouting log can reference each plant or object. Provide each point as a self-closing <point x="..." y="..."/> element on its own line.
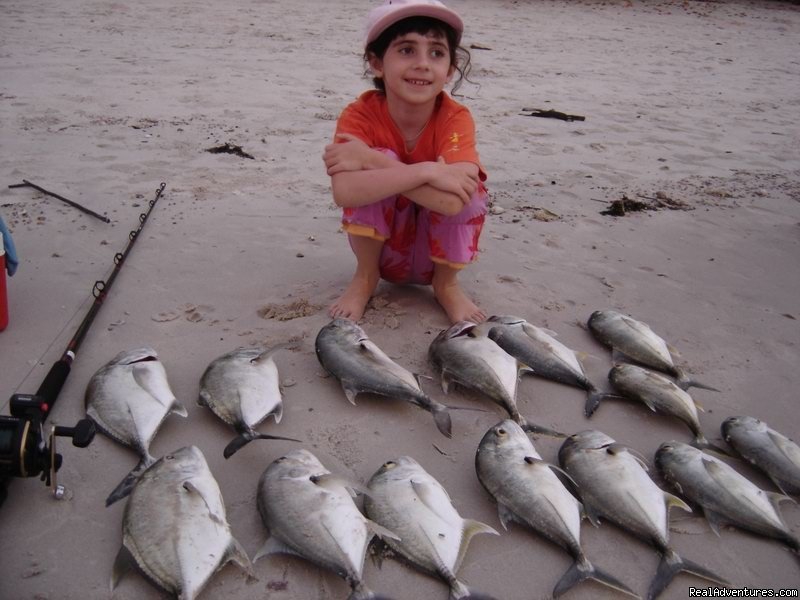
<point x="392" y="11"/>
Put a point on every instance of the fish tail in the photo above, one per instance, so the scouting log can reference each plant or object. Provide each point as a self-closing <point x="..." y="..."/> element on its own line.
<point x="129" y="482"/>
<point x="671" y="564"/>
<point x="441" y="416"/>
<point x="246" y="437"/>
<point x="701" y="443"/>
<point x="582" y="570"/>
<point x="684" y="381"/>
<point x="593" y="399"/>
<point x="541" y="430"/>
<point x="459" y="591"/>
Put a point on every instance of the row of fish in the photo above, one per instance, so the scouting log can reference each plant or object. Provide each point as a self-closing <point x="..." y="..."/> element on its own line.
<point x="130" y="397"/>
<point x="175" y="529"/>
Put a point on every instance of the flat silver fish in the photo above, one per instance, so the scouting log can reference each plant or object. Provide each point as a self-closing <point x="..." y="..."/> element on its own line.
<point x="637" y="341"/>
<point x="345" y="351"/>
<point x="242" y="388"/>
<point x="467" y="357"/>
<point x="542" y="354"/>
<point x="310" y="513"/>
<point x="174" y="527"/>
<point x="128" y="399"/>
<point x="407" y="500"/>
<point x="527" y="490"/>
<point x="725" y="495"/>
<point x="770" y="451"/>
<point x="614" y="484"/>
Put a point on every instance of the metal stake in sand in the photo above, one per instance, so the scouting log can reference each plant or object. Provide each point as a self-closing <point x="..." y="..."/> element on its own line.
<point x="88" y="211"/>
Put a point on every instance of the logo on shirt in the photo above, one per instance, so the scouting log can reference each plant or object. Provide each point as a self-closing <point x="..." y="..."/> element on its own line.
<point x="454" y="139"/>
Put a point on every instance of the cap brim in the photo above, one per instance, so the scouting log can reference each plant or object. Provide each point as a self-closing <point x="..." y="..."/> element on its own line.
<point x="441" y="13"/>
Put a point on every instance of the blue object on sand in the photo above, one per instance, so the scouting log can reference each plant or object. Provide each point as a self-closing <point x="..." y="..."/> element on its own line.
<point x="11" y="253"/>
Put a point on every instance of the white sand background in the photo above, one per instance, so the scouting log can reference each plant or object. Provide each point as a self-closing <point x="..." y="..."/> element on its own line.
<point x="693" y="102"/>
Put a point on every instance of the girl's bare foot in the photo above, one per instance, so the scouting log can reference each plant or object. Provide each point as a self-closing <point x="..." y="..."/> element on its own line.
<point x="454" y="301"/>
<point x="352" y="303"/>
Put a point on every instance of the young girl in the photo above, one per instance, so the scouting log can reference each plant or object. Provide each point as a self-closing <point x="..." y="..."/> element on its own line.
<point x="404" y="165"/>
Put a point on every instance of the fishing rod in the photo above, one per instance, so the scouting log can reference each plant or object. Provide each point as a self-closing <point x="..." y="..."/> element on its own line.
<point x="25" y="450"/>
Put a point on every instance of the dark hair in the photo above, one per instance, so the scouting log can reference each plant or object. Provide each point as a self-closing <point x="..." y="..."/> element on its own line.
<point x="459" y="57"/>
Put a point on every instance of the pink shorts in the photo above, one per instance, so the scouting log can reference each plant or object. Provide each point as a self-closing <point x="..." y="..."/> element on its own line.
<point x="416" y="237"/>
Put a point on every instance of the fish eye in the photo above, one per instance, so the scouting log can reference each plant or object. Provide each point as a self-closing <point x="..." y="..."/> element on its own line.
<point x="668" y="447"/>
<point x="389" y="464"/>
<point x="501" y="431"/>
<point x="169" y="457"/>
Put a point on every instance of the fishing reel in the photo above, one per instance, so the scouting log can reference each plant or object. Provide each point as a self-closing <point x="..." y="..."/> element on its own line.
<point x="25" y="449"/>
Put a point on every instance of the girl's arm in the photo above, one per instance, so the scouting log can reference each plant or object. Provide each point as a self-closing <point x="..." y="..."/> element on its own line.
<point x="361" y="175"/>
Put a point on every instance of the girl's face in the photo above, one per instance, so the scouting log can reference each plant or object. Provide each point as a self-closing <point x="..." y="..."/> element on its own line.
<point x="414" y="69"/>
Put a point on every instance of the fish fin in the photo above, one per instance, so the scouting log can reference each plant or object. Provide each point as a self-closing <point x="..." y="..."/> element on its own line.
<point x="566" y="480"/>
<point x="673" y="500"/>
<point x="204" y="399"/>
<point x="123" y="563"/>
<point x="235" y="553"/>
<point x="191" y="488"/>
<point x="274" y="546"/>
<point x="125" y="487"/>
<point x="616" y="449"/>
<point x="447" y="381"/>
<point x="671" y="564"/>
<point x="715" y="520"/>
<point x="776" y="500"/>
<point x="506" y="515"/>
<point x="580" y="571"/>
<point x="238" y="443"/>
<point x="349" y="392"/>
<point x="179" y="409"/>
<point x="267" y="354"/>
<point x="787" y="447"/>
<point x="441" y="417"/>
<point x="277" y="413"/>
<point x="591" y="514"/>
<point x="381" y="531"/>
<point x="151" y="381"/>
<point x="471" y="529"/>
<point x="332" y="481"/>
<point x="425" y="492"/>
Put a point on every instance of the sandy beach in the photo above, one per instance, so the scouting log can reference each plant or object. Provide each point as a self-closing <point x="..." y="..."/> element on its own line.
<point x="691" y="110"/>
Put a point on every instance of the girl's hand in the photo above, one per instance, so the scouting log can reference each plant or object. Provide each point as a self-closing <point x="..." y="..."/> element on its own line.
<point x="350" y="155"/>
<point x="461" y="179"/>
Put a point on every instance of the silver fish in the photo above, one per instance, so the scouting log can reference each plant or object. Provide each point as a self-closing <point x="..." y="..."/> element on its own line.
<point x="128" y="399"/>
<point x="661" y="395"/>
<point x="407" y="500"/>
<point x="310" y="513"/>
<point x="614" y="484"/>
<point x="542" y="354"/>
<point x="345" y="351"/>
<point x="174" y="527"/>
<point x="242" y="388"/>
<point x="527" y="490"/>
<point x="770" y="451"/>
<point x="469" y="358"/>
<point x="725" y="495"/>
<point x="637" y="341"/>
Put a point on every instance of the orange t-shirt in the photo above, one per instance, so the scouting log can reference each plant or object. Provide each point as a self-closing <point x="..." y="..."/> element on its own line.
<point x="450" y="133"/>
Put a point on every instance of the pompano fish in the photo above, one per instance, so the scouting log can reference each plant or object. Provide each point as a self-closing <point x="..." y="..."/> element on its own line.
<point x="637" y="341"/>
<point x="128" y="399"/>
<point x="174" y="527"/>
<point x="528" y="491"/>
<point x="614" y="484"/>
<point x="661" y="395"/>
<point x="542" y="354"/>
<point x="309" y="513"/>
<point x="725" y="495"/>
<point x="770" y="451"/>
<point x="466" y="357"/>
<point x="407" y="500"/>
<point x="242" y="388"/>
<point x="345" y="351"/>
